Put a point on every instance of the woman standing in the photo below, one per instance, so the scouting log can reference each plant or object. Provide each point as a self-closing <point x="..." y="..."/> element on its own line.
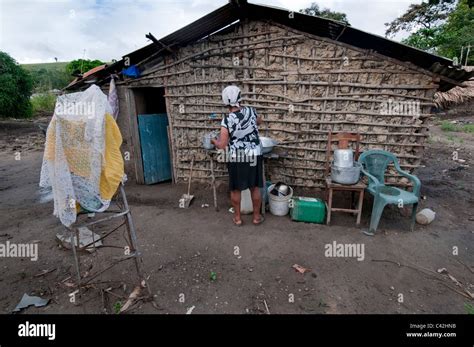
<point x="239" y="136"/>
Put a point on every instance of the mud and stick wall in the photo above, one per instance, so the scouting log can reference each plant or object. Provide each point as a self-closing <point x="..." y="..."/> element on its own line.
<point x="303" y="86"/>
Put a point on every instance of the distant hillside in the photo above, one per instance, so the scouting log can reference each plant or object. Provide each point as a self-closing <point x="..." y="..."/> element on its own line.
<point x="52" y="66"/>
<point x="47" y="76"/>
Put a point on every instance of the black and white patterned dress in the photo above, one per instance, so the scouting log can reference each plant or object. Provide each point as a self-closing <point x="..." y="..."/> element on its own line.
<point x="245" y="152"/>
<point x="243" y="131"/>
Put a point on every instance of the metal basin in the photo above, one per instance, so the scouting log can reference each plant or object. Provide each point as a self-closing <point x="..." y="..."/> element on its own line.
<point x="267" y="144"/>
<point x="346" y="175"/>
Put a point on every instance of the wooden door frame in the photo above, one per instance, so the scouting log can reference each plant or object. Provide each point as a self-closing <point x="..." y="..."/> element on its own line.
<point x="136" y="148"/>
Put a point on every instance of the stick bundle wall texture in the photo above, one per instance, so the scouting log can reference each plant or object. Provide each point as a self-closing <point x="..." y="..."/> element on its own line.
<point x="303" y="86"/>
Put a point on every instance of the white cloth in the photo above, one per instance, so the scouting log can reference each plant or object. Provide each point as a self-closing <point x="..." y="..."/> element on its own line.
<point x="74" y="152"/>
<point x="113" y="98"/>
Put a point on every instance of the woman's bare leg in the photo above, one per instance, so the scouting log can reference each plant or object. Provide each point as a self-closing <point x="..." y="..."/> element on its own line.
<point x="257" y="203"/>
<point x="235" y="200"/>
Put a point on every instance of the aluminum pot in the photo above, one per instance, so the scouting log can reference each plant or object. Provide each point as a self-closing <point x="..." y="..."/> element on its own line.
<point x="283" y="189"/>
<point x="206" y="140"/>
<point x="346" y="175"/>
<point x="343" y="158"/>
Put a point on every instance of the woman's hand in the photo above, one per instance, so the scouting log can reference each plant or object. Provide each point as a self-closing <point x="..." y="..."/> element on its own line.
<point x="223" y="139"/>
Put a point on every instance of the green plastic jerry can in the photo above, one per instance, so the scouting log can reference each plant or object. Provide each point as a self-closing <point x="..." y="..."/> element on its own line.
<point x="309" y="210"/>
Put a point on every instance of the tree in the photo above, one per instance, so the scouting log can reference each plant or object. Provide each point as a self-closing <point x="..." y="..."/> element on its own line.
<point x="79" y="66"/>
<point x="458" y="32"/>
<point x="15" y="89"/>
<point x="315" y="10"/>
<point x="442" y="27"/>
<point x="426" y="15"/>
<point x="427" y="39"/>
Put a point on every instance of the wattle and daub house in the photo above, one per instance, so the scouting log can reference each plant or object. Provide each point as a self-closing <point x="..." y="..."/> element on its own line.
<point x="306" y="75"/>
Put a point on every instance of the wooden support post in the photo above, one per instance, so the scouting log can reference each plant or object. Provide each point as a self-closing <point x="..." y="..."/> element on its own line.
<point x="135" y="136"/>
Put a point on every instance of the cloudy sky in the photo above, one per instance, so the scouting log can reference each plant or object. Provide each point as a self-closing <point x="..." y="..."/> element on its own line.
<point x="34" y="31"/>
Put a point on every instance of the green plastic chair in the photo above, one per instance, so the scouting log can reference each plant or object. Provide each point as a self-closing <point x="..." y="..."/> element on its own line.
<point x="374" y="164"/>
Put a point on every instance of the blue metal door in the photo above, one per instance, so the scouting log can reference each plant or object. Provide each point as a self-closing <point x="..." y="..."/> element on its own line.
<point x="155" y="150"/>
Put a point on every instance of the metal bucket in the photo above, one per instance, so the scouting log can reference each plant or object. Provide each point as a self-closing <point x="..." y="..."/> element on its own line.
<point x="346" y="175"/>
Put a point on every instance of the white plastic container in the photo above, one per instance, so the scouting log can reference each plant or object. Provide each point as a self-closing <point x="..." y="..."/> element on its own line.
<point x="246" y="205"/>
<point x="425" y="216"/>
<point x="279" y="205"/>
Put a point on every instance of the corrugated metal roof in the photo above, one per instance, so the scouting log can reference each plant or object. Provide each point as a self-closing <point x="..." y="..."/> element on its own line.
<point x="322" y="27"/>
<point x="204" y="26"/>
<point x="100" y="72"/>
<point x="94" y="70"/>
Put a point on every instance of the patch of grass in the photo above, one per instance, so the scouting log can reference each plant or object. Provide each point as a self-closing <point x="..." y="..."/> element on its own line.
<point x="468" y="128"/>
<point x="469" y="308"/>
<point x="448" y="126"/>
<point x="43" y="103"/>
<point x="117" y="307"/>
<point x="450" y="138"/>
<point x="451" y="127"/>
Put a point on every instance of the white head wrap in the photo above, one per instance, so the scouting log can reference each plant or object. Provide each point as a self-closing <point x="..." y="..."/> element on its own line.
<point x="231" y="96"/>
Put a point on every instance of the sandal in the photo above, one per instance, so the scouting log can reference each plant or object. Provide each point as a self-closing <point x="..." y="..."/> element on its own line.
<point x="237" y="223"/>
<point x="260" y="221"/>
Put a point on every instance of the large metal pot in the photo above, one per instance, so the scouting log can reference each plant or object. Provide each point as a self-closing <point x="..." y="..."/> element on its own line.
<point x="346" y="175"/>
<point x="343" y="158"/>
<point x="267" y="144"/>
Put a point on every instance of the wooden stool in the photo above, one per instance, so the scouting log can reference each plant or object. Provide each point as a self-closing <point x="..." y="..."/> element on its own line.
<point x="343" y="141"/>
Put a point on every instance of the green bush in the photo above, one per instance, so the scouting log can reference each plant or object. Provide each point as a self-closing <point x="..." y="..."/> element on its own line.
<point x="80" y="66"/>
<point x="43" y="103"/>
<point x="15" y="89"/>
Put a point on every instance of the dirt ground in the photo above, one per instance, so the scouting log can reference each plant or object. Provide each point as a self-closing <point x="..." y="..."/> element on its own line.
<point x="252" y="264"/>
